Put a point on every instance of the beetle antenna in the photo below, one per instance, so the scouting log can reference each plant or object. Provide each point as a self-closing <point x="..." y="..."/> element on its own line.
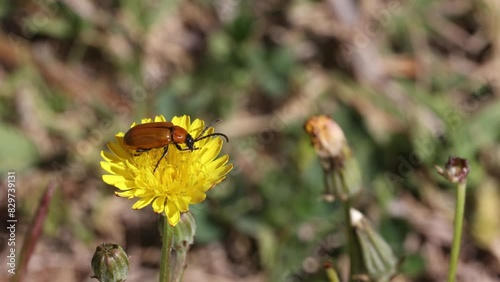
<point x="210" y="135"/>
<point x="208" y="126"/>
<point x="201" y="137"/>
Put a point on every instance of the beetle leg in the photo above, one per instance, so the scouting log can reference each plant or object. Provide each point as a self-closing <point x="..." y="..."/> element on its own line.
<point x="184" y="149"/>
<point x="139" y="151"/>
<point x="165" y="150"/>
<point x="180" y="148"/>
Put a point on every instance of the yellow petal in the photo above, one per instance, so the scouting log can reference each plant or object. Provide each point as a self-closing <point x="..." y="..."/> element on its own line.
<point x="126" y="194"/>
<point x="114" y="168"/>
<point x="158" y="204"/>
<point x="196" y="128"/>
<point x="198" y="198"/>
<point x="223" y="170"/>
<point x="118" y="150"/>
<point x="160" y="118"/>
<point x="109" y="157"/>
<point x="141" y="203"/>
<point x="209" y="153"/>
<point x="217" y="163"/>
<point x="172" y="213"/>
<point x="112" y="179"/>
<point x="183" y="203"/>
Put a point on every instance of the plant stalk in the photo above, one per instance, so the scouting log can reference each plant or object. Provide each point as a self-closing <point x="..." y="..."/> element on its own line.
<point x="348" y="226"/>
<point x="166" y="251"/>
<point x="457" y="230"/>
<point x="332" y="274"/>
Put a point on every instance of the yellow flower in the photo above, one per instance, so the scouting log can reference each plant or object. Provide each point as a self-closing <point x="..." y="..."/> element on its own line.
<point x="182" y="177"/>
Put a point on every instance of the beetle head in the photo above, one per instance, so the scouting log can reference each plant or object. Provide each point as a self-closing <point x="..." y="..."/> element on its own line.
<point x="190" y="142"/>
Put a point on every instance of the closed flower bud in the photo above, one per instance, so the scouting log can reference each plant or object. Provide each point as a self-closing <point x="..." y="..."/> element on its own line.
<point x="455" y="170"/>
<point x="110" y="263"/>
<point x="378" y="258"/>
<point x="184" y="232"/>
<point x="342" y="175"/>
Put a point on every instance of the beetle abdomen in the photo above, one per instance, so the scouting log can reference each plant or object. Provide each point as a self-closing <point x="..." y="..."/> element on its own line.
<point x="148" y="136"/>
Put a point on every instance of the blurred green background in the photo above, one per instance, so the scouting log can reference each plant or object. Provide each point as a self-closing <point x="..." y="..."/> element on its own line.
<point x="410" y="83"/>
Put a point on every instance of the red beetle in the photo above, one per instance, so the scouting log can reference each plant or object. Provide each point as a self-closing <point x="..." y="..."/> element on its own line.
<point x="147" y="136"/>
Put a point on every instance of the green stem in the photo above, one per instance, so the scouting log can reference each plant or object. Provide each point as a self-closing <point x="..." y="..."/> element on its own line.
<point x="350" y="239"/>
<point x="166" y="250"/>
<point x="353" y="249"/>
<point x="457" y="230"/>
<point x="332" y="275"/>
<point x="347" y="209"/>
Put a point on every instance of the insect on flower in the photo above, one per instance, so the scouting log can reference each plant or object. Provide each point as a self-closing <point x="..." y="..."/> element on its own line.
<point x="153" y="135"/>
<point x="185" y="177"/>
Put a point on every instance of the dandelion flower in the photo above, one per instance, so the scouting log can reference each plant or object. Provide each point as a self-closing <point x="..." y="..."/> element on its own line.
<point x="181" y="179"/>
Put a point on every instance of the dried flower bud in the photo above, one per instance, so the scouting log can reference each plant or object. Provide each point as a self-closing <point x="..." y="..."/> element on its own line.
<point x="456" y="170"/>
<point x="110" y="263"/>
<point x="327" y="137"/>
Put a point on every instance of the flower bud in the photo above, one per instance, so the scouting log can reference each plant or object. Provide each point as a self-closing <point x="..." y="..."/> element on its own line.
<point x="456" y="170"/>
<point x="184" y="232"/>
<point x="327" y="137"/>
<point x="342" y="174"/>
<point x="378" y="258"/>
<point x="110" y="263"/>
